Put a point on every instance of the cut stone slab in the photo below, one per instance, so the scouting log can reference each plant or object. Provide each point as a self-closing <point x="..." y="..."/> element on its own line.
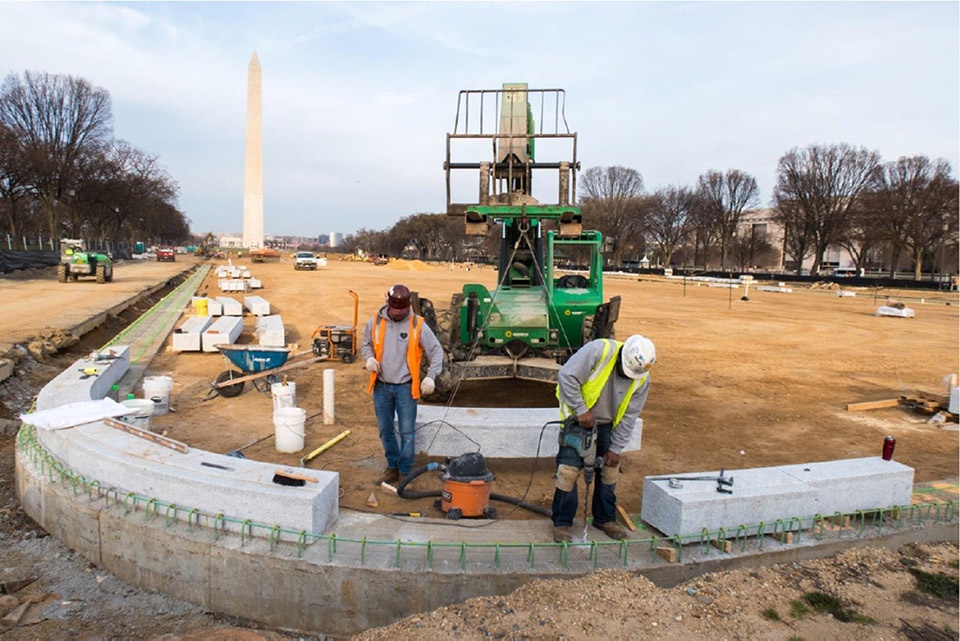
<point x="230" y="306"/>
<point x="270" y="331"/>
<point x="495" y="432"/>
<point x="73" y="385"/>
<point x="224" y="331"/>
<point x="214" y="308"/>
<point x="256" y="305"/>
<point x="186" y="338"/>
<point x="774" y="496"/>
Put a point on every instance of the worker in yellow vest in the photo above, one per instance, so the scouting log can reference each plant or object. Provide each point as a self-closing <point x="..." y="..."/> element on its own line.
<point x="394" y="342"/>
<point x="602" y="389"/>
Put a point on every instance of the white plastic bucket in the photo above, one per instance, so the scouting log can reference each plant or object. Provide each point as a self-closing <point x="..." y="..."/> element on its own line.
<point x="157" y="389"/>
<point x="284" y="395"/>
<point x="144" y="410"/>
<point x="288" y="423"/>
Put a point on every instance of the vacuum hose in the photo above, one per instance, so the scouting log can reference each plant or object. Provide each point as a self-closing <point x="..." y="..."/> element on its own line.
<point x="413" y="494"/>
<point x="403" y="492"/>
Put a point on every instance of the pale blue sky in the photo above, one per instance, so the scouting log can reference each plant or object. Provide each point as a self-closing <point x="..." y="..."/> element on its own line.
<point x="358" y="97"/>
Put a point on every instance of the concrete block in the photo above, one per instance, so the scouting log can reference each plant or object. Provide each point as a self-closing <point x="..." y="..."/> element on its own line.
<point x="6" y="369"/>
<point x="256" y="305"/>
<point x="214" y="308"/>
<point x="230" y="306"/>
<point x="849" y="485"/>
<point x="775" y="493"/>
<point x="224" y="331"/>
<point x="245" y="491"/>
<point x="499" y="432"/>
<point x="72" y="385"/>
<point x="186" y="338"/>
<point x="761" y="494"/>
<point x="255" y="283"/>
<point x="270" y="331"/>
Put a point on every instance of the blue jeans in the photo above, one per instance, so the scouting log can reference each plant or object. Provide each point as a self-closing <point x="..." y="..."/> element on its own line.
<point x="396" y="400"/>
<point x="604" y="506"/>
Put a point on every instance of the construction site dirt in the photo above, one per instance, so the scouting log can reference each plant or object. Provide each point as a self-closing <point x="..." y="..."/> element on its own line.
<point x="737" y="384"/>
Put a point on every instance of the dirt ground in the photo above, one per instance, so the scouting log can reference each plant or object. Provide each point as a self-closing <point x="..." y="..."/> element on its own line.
<point x="737" y="384"/>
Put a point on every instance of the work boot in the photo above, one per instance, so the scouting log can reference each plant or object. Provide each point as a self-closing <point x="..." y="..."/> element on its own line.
<point x="611" y="529"/>
<point x="390" y="475"/>
<point x="562" y="534"/>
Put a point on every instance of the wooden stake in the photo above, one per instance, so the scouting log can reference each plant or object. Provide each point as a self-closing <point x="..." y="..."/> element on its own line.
<point x="668" y="554"/>
<point x="626" y="519"/>
<point x="872" y="405"/>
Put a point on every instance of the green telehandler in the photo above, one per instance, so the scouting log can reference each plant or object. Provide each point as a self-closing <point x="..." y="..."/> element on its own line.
<point x="534" y="318"/>
<point x="76" y="261"/>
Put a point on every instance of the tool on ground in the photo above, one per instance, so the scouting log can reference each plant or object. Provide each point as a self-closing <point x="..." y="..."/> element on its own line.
<point x="337" y="341"/>
<point x="676" y="482"/>
<point x="216" y="465"/>
<point x="406" y="514"/>
<point x="323" y="448"/>
<point x="282" y="477"/>
<point x="149" y="436"/>
<point x="238" y="453"/>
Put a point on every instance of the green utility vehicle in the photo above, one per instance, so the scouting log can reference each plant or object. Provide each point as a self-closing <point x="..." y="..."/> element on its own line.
<point x="76" y="261"/>
<point x="534" y="318"/>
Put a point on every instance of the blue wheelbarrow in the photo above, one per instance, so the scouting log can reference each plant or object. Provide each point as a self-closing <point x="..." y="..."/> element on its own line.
<point x="255" y="362"/>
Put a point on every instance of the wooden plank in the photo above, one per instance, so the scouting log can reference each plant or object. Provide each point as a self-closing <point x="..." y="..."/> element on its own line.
<point x="724" y="545"/>
<point x="266" y="372"/>
<point x="872" y="405"/>
<point x="149" y="436"/>
<point x="626" y="519"/>
<point x="668" y="554"/>
<point x="783" y="537"/>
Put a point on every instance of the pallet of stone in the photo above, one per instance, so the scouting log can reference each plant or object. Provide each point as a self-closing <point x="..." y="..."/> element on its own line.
<point x="230" y="306"/>
<point x="186" y="338"/>
<point x="270" y="331"/>
<point x="226" y="330"/>
<point x="256" y="305"/>
<point x="255" y="283"/>
<point x="233" y="285"/>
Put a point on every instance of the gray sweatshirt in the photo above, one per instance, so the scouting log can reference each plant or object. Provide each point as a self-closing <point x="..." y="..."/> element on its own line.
<point x="577" y="370"/>
<point x="393" y="364"/>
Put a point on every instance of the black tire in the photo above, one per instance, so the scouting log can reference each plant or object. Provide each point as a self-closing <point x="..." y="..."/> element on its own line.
<point x="347" y="358"/>
<point x="229" y="391"/>
<point x="62" y="273"/>
<point x="101" y="273"/>
<point x="454" y="514"/>
<point x="109" y="273"/>
<point x="74" y="277"/>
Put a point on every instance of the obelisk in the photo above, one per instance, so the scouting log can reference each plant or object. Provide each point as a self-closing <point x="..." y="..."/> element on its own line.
<point x="253" y="167"/>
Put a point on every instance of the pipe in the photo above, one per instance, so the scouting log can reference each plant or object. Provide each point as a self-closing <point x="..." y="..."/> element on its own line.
<point x="328" y="396"/>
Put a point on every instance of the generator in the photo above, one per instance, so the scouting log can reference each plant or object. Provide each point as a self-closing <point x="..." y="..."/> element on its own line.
<point x="337" y="341"/>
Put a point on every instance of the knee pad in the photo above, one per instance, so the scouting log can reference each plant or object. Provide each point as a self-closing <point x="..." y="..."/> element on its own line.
<point x="609" y="475"/>
<point x="567" y="477"/>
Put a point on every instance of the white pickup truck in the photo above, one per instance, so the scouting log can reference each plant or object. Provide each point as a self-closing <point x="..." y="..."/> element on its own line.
<point x="304" y="260"/>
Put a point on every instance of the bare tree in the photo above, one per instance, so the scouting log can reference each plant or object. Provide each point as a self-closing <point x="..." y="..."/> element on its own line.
<point x="724" y="197"/>
<point x="817" y="188"/>
<point x="56" y="118"/>
<point x="14" y="187"/>
<point x="669" y="218"/>
<point x="915" y="201"/>
<point x="610" y="202"/>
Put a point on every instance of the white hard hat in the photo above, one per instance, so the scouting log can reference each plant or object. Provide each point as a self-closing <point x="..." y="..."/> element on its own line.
<point x="637" y="355"/>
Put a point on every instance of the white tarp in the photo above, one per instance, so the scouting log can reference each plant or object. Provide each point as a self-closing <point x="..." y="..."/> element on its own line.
<point x="886" y="310"/>
<point x="73" y="414"/>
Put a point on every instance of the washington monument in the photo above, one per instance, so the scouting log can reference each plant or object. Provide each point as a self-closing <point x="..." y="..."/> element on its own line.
<point x="253" y="167"/>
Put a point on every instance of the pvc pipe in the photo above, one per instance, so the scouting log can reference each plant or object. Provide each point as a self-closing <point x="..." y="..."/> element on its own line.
<point x="328" y="396"/>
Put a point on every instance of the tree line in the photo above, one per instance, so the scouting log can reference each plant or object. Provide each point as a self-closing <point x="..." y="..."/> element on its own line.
<point x="64" y="175"/>
<point x="887" y="215"/>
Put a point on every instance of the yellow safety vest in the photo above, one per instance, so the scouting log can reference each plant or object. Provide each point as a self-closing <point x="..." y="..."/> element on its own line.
<point x="599" y="376"/>
<point x="414" y="351"/>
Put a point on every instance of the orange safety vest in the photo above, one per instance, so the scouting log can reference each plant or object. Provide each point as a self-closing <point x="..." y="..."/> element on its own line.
<point x="414" y="351"/>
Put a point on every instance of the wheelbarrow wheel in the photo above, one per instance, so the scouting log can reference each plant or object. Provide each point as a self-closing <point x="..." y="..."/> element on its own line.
<point x="229" y="391"/>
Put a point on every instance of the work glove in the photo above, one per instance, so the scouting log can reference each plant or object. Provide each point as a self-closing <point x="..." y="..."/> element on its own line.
<point x="427" y="386"/>
<point x="373" y="365"/>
